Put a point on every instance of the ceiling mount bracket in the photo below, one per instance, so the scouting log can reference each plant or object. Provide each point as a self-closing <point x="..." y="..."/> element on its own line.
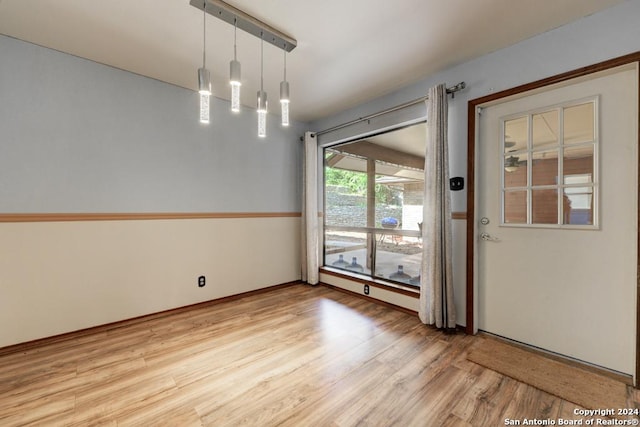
<point x="246" y="22"/>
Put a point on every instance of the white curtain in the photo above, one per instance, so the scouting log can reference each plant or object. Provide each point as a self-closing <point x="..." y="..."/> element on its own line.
<point x="309" y="233"/>
<point x="436" y="284"/>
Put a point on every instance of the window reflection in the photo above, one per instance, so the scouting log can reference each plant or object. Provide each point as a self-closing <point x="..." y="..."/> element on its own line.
<point x="545" y="129"/>
<point x="579" y="123"/>
<point x="544" y="168"/>
<point x="515" y="207"/>
<point x="516" y="170"/>
<point x="515" y="134"/>
<point x="578" y="161"/>
<point x="578" y="202"/>
<point x="544" y="206"/>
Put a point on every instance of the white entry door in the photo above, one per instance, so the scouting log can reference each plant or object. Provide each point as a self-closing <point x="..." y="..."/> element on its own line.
<point x="557" y="219"/>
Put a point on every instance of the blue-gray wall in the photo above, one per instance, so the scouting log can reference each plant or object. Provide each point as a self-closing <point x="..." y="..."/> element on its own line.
<point x="77" y="136"/>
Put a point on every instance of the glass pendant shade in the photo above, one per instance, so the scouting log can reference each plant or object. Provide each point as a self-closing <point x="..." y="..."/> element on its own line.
<point x="235" y="82"/>
<point x="204" y="88"/>
<point x="204" y="76"/>
<point x="262" y="114"/>
<point x="284" y="102"/>
<point x="204" y="108"/>
<point x="284" y="111"/>
<point x="262" y="124"/>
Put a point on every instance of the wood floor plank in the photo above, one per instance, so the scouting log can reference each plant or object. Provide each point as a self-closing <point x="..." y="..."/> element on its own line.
<point x="294" y="356"/>
<point x="23" y="399"/>
<point x="34" y="411"/>
<point x="478" y="401"/>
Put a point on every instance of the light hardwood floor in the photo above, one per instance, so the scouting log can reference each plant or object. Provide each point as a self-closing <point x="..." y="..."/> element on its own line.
<point x="294" y="356"/>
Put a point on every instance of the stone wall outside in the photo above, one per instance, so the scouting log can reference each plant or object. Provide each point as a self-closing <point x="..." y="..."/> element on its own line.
<point x="345" y="209"/>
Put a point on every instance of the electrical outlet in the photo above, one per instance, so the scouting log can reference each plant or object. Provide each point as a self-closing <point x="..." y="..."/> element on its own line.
<point x="456" y="183"/>
<point x="366" y="289"/>
<point x="201" y="281"/>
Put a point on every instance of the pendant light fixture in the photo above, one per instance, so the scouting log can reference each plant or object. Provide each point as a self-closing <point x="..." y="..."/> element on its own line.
<point x="284" y="95"/>
<point x="204" y="77"/>
<point x="234" y="73"/>
<point x="262" y="95"/>
<point x="253" y="26"/>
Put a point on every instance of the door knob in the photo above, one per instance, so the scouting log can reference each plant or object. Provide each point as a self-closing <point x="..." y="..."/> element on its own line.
<point x="488" y="237"/>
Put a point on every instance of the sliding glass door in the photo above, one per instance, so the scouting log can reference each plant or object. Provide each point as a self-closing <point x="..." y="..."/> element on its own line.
<point x="373" y="205"/>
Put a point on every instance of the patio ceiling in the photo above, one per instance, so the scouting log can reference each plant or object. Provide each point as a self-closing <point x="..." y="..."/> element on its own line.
<point x="399" y="155"/>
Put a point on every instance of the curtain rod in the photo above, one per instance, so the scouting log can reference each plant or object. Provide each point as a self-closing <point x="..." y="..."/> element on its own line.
<point x="452" y="90"/>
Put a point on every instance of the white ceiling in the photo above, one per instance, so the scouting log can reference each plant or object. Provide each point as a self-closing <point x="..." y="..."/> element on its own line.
<point x="349" y="51"/>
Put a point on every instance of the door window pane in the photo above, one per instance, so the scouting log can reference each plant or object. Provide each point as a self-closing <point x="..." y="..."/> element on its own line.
<point x="346" y="250"/>
<point x="516" y="133"/>
<point x="544" y="168"/>
<point x="577" y="206"/>
<point x="578" y="161"/>
<point x="545" y="129"/>
<point x="515" y="207"/>
<point x="398" y="209"/>
<point x="398" y="258"/>
<point x="515" y="170"/>
<point x="544" y="206"/>
<point x="579" y="123"/>
<point x="345" y="190"/>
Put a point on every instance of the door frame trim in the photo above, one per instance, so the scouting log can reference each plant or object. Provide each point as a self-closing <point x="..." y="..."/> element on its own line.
<point x="471" y="163"/>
